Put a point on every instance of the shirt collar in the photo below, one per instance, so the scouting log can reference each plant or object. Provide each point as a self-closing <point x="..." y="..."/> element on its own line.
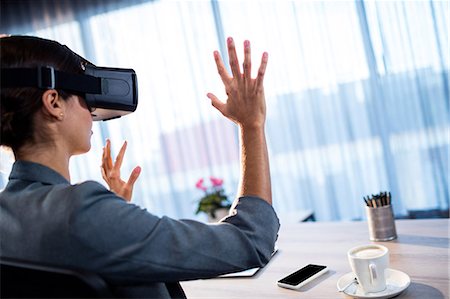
<point x="30" y="171"/>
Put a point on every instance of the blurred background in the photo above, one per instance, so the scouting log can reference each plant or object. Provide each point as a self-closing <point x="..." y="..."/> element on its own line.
<point x="357" y="96"/>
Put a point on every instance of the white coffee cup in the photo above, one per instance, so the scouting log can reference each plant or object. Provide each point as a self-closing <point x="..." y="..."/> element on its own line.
<point x="368" y="263"/>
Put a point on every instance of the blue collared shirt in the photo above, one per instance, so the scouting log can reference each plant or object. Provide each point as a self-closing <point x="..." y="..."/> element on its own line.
<point x="46" y="219"/>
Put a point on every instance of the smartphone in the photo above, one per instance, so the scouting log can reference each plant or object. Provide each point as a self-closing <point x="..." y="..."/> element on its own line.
<point x="301" y="277"/>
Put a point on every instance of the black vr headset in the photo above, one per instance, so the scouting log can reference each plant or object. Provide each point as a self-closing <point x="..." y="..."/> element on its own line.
<point x="109" y="92"/>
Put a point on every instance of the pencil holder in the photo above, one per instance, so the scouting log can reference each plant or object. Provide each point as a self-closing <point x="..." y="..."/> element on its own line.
<point x="381" y="223"/>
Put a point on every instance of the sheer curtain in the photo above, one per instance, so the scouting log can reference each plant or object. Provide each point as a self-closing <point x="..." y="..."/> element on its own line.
<point x="357" y="95"/>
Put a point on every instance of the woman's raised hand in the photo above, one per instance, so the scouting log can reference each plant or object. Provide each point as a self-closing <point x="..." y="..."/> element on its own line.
<point x="111" y="172"/>
<point x="245" y="104"/>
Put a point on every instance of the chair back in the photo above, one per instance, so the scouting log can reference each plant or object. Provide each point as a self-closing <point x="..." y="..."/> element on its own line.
<point x="24" y="279"/>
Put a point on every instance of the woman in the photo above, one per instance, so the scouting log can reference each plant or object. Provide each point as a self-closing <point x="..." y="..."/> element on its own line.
<point x="46" y="219"/>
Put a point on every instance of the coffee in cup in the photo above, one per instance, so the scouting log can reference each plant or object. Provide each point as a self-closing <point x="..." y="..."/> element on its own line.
<point x="368" y="263"/>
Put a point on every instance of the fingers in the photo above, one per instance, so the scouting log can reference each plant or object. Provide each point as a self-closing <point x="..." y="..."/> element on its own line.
<point x="111" y="172"/>
<point x="119" y="158"/>
<point x="221" y="68"/>
<point x="234" y="63"/>
<point x="104" y="175"/>
<point x="247" y="66"/>
<point x="107" y="160"/>
<point x="262" y="71"/>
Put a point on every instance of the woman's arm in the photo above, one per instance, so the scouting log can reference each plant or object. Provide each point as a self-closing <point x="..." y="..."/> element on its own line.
<point x="246" y="107"/>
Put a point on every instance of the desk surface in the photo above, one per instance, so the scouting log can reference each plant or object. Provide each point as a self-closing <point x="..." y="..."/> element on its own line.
<point x="421" y="251"/>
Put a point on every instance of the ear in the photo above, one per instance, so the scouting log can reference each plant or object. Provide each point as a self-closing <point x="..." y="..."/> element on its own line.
<point x="53" y="105"/>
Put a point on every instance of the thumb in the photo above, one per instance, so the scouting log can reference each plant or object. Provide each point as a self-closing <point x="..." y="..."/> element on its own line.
<point x="134" y="176"/>
<point x="218" y="104"/>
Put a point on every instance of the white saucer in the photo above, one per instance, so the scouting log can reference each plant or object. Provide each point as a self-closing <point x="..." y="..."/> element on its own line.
<point x="396" y="282"/>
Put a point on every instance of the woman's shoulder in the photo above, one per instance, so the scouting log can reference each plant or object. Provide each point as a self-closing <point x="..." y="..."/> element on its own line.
<point x="90" y="198"/>
<point x="86" y="191"/>
<point x="91" y="188"/>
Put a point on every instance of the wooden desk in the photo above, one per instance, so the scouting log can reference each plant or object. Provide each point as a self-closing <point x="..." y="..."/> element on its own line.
<point x="421" y="251"/>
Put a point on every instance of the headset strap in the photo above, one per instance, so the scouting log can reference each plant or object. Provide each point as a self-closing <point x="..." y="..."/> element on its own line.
<point x="46" y="77"/>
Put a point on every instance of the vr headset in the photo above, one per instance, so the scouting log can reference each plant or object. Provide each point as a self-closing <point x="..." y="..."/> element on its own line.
<point x="109" y="92"/>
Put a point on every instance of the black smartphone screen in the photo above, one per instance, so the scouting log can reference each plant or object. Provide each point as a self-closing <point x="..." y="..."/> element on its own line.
<point x="302" y="274"/>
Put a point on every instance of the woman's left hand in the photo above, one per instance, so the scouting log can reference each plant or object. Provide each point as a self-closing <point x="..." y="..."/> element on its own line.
<point x="111" y="172"/>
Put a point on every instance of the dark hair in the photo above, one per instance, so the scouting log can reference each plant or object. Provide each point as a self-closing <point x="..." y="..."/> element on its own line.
<point x="19" y="105"/>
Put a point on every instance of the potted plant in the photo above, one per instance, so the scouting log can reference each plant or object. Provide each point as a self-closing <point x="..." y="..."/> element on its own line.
<point x="214" y="202"/>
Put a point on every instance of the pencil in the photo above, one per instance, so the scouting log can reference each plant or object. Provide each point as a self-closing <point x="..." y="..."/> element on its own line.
<point x="366" y="201"/>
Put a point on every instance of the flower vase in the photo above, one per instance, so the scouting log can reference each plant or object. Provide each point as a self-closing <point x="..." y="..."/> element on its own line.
<point x="220" y="213"/>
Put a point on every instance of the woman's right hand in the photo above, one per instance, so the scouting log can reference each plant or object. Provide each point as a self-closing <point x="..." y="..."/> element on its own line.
<point x="111" y="172"/>
<point x="245" y="104"/>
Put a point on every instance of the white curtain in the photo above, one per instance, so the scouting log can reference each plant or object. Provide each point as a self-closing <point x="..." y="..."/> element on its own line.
<point x="357" y="95"/>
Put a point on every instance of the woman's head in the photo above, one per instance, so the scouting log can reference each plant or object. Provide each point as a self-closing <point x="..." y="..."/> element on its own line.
<point x="27" y="112"/>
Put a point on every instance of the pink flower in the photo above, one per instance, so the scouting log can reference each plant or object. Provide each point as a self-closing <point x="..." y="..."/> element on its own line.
<point x="199" y="185"/>
<point x="216" y="182"/>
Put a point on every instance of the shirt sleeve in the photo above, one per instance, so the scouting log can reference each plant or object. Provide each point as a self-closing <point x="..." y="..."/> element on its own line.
<point x="126" y="243"/>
